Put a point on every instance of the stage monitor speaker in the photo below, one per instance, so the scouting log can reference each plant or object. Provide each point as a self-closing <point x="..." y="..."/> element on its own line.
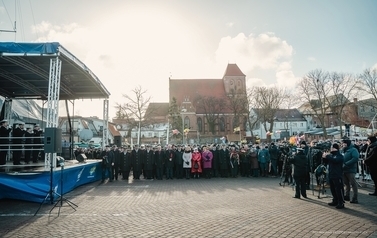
<point x="118" y="141"/>
<point x="53" y="140"/>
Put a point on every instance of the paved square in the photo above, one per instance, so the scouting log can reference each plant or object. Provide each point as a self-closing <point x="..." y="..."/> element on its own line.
<point x="217" y="207"/>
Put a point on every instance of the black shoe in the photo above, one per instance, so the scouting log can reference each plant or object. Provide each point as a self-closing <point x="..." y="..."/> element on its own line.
<point x="332" y="204"/>
<point x="304" y="196"/>
<point x="346" y="198"/>
<point x="340" y="206"/>
<point x="297" y="197"/>
<point x="373" y="194"/>
<point x="354" y="201"/>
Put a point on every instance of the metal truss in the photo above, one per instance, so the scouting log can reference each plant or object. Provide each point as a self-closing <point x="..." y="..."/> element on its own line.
<point x="105" y="132"/>
<point x="53" y="104"/>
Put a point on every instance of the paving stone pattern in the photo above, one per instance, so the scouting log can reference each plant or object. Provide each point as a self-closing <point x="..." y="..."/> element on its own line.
<point x="217" y="207"/>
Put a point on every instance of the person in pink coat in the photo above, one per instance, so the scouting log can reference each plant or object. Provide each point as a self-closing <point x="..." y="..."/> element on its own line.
<point x="207" y="162"/>
<point x="196" y="165"/>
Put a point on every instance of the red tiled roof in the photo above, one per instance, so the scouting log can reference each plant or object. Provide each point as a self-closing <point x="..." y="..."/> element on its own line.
<point x="233" y="70"/>
<point x="192" y="88"/>
<point x="113" y="130"/>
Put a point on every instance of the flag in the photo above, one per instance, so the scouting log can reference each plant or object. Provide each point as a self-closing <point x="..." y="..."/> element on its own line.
<point x="236" y="129"/>
<point x="175" y="132"/>
<point x="186" y="131"/>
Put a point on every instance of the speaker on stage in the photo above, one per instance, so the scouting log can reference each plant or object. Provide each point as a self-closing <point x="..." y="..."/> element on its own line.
<point x="53" y="140"/>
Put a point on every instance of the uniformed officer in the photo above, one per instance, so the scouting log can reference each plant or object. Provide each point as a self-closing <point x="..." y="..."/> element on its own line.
<point x="4" y="142"/>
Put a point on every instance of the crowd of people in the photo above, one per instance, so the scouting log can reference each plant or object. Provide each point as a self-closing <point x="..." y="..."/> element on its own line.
<point x="246" y="160"/>
<point x="20" y="139"/>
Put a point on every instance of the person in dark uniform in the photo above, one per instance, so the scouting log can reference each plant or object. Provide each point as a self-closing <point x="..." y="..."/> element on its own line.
<point x="179" y="162"/>
<point x="107" y="163"/>
<point x="148" y="162"/>
<point x="115" y="168"/>
<point x="159" y="160"/>
<point x="125" y="160"/>
<point x="137" y="161"/>
<point x="18" y="140"/>
<point x="224" y="161"/>
<point x="335" y="161"/>
<point x="37" y="143"/>
<point x="4" y="142"/>
<point x="215" y="160"/>
<point x="300" y="163"/>
<point x="28" y="141"/>
<point x="169" y="162"/>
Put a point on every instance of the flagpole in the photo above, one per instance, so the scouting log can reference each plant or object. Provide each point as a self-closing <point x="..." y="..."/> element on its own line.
<point x="167" y="133"/>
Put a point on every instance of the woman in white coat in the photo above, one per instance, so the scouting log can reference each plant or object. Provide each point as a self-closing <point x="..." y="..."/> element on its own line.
<point x="187" y="156"/>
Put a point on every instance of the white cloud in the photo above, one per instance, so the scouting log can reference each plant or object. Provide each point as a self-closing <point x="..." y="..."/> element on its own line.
<point x="124" y="54"/>
<point x="229" y="24"/>
<point x="312" y="59"/>
<point x="374" y="66"/>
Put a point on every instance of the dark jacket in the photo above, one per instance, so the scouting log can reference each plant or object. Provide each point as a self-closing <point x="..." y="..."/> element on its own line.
<point x="4" y="132"/>
<point x="301" y="164"/>
<point x="371" y="156"/>
<point x="148" y="160"/>
<point x="335" y="161"/>
<point x="273" y="150"/>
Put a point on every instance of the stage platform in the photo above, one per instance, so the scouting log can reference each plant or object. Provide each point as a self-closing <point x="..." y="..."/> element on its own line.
<point x="31" y="182"/>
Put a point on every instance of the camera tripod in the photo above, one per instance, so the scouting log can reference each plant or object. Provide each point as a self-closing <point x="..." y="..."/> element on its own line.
<point x="51" y="193"/>
<point x="286" y="169"/>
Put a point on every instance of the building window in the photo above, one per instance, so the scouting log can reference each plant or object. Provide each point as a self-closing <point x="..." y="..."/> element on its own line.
<point x="294" y="124"/>
<point x="222" y="124"/>
<point x="236" y="122"/>
<point x="200" y="124"/>
<point x="150" y="134"/>
<point x="187" y="122"/>
<point x="301" y="124"/>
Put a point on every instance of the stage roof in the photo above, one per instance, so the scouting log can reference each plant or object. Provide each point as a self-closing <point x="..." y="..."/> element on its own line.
<point x="25" y="67"/>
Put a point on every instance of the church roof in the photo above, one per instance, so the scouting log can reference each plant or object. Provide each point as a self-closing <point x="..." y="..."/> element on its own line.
<point x="233" y="70"/>
<point x="191" y="89"/>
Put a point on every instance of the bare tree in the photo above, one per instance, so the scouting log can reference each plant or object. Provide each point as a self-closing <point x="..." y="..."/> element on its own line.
<point x="238" y="103"/>
<point x="268" y="100"/>
<point x="369" y="82"/>
<point x="212" y="107"/>
<point x="314" y="89"/>
<point x="134" y="109"/>
<point x="343" y="87"/>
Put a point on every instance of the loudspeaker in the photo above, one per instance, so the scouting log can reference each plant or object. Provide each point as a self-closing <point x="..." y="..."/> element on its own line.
<point x="53" y="140"/>
<point x="118" y="141"/>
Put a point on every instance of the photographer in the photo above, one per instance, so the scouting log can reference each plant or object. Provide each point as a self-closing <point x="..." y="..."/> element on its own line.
<point x="300" y="163"/>
<point x="107" y="163"/>
<point x="335" y="161"/>
<point x="371" y="161"/>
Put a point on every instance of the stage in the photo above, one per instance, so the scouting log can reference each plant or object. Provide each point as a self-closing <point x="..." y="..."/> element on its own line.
<point x="32" y="182"/>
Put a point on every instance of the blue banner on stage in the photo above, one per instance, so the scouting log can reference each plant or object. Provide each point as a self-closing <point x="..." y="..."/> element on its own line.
<point x="35" y="186"/>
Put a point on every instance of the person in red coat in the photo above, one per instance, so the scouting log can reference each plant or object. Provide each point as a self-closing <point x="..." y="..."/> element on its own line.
<point x="196" y="165"/>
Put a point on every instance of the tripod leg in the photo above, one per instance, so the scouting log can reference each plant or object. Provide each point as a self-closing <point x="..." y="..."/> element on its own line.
<point x="40" y="205"/>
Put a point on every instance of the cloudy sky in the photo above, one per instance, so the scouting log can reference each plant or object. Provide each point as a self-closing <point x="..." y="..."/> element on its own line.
<point x="129" y="43"/>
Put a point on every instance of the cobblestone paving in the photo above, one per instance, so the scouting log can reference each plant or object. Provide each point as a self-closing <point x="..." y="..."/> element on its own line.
<point x="233" y="207"/>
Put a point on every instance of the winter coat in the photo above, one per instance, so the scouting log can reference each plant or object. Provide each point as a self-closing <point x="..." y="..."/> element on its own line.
<point x="196" y="159"/>
<point x="187" y="157"/>
<point x="264" y="156"/>
<point x="371" y="156"/>
<point x="254" y="159"/>
<point x="148" y="160"/>
<point x="224" y="159"/>
<point x="273" y="150"/>
<point x="351" y="159"/>
<point x="207" y="159"/>
<point x="301" y="164"/>
<point x="335" y="161"/>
